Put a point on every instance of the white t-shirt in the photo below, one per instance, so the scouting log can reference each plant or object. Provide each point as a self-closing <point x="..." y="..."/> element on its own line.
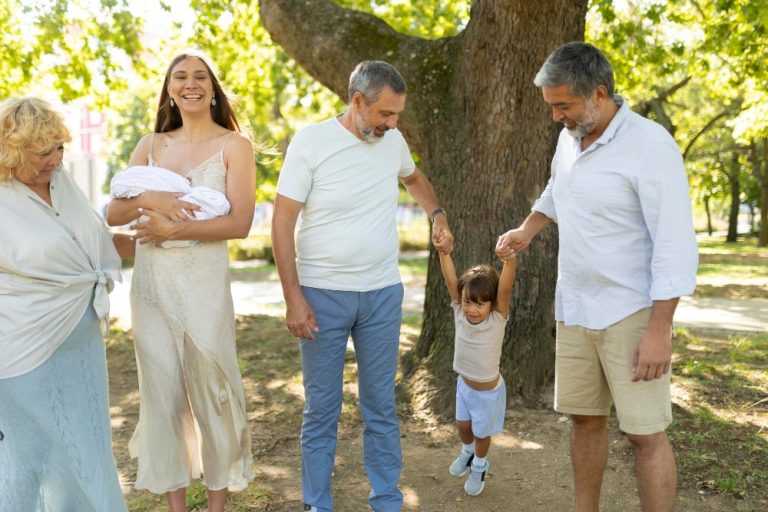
<point x="477" y="347"/>
<point x="346" y="238"/>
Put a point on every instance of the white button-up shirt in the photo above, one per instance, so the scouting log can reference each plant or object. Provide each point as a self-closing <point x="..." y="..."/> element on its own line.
<point x="623" y="211"/>
<point x="52" y="259"/>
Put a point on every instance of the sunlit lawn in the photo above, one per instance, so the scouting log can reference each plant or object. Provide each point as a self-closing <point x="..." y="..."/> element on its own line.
<point x="732" y="270"/>
<point x="720" y="393"/>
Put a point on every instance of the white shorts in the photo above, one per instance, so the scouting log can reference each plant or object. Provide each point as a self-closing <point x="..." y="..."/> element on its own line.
<point x="485" y="409"/>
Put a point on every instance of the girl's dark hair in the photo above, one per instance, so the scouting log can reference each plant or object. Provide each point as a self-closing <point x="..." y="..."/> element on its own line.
<point x="481" y="283"/>
<point x="169" y="118"/>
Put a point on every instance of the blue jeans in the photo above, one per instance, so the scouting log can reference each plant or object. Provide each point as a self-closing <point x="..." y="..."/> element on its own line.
<point x="373" y="320"/>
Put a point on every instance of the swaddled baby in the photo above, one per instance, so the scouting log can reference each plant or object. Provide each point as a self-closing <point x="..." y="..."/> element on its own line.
<point x="141" y="178"/>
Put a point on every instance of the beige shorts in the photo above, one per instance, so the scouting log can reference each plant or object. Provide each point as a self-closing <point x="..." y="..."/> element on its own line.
<point x="593" y="368"/>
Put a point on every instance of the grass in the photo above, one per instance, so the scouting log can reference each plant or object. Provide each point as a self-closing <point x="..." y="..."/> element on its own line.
<point x="720" y="394"/>
<point x="732" y="270"/>
<point x="720" y="433"/>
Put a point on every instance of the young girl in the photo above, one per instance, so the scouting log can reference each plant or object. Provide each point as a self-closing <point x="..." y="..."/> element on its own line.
<point x="480" y="301"/>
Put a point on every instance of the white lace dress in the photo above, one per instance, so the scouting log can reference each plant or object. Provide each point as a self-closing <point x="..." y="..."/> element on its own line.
<point x="192" y="411"/>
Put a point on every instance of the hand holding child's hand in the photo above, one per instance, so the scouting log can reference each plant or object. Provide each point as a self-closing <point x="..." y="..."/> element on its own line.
<point x="442" y="238"/>
<point x="504" y="252"/>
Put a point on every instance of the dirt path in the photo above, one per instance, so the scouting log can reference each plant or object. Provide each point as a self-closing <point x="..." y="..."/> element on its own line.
<point x="530" y="468"/>
<point x="530" y="472"/>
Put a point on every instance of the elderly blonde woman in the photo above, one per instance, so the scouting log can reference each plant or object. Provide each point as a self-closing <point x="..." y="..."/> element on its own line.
<point x="57" y="265"/>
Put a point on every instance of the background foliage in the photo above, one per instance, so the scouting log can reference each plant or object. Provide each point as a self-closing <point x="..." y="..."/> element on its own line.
<point x="695" y="66"/>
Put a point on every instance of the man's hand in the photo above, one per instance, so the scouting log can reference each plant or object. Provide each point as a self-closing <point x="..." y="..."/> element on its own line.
<point x="442" y="238"/>
<point x="300" y="318"/>
<point x="512" y="242"/>
<point x="653" y="355"/>
<point x="504" y="253"/>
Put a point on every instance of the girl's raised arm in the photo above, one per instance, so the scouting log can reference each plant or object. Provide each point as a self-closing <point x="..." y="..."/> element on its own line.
<point x="506" y="282"/>
<point x="449" y="274"/>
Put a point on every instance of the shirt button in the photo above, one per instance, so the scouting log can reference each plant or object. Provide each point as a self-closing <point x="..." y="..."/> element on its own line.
<point x="58" y="214"/>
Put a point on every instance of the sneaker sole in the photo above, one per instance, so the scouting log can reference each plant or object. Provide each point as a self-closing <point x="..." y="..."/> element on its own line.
<point x="475" y="493"/>
<point x="459" y="474"/>
<point x="466" y="468"/>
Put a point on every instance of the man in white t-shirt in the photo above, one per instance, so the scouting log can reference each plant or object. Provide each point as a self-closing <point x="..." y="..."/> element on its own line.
<point x="338" y="192"/>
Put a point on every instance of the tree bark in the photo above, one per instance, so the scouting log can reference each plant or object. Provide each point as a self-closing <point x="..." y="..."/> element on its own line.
<point x="759" y="157"/>
<point x="733" y="179"/>
<point x="485" y="139"/>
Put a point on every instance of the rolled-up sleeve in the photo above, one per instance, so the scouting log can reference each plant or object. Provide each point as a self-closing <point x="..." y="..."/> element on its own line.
<point x="545" y="204"/>
<point x="666" y="206"/>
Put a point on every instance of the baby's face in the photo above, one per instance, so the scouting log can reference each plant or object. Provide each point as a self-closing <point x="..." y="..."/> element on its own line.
<point x="475" y="312"/>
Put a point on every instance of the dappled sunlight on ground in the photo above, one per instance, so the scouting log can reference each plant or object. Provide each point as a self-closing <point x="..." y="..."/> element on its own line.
<point x="509" y="441"/>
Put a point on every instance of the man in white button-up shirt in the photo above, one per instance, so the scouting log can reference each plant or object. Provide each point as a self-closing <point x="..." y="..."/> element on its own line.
<point x="619" y="194"/>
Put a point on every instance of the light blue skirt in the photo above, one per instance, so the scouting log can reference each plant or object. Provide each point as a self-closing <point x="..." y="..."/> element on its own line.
<point x="56" y="447"/>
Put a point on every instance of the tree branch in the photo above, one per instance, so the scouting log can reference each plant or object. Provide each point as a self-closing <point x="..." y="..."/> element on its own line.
<point x="328" y="41"/>
<point x="705" y="129"/>
<point x="644" y="107"/>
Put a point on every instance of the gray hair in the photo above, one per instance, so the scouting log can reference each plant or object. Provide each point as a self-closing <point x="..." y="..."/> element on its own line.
<point x="580" y="66"/>
<point x="371" y="76"/>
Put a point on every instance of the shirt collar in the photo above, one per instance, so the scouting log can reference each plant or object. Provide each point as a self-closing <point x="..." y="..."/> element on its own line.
<point x="615" y="123"/>
<point x="613" y="126"/>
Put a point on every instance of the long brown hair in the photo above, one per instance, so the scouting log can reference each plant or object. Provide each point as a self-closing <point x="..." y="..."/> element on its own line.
<point x="169" y="118"/>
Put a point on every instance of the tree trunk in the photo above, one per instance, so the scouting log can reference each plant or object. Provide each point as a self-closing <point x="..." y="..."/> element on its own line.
<point x="709" y="214"/>
<point x="733" y="214"/>
<point x="759" y="158"/>
<point x="485" y="139"/>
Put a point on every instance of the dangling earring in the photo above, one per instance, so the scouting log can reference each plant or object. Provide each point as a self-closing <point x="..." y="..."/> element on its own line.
<point x="213" y="101"/>
<point x="172" y="103"/>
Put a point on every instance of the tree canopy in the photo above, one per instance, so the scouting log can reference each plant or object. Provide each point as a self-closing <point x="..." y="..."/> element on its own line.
<point x="695" y="66"/>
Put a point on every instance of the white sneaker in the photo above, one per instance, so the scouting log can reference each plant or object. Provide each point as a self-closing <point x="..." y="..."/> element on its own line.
<point x="461" y="465"/>
<point x="476" y="480"/>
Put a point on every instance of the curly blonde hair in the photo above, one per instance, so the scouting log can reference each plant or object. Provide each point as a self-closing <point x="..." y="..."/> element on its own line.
<point x="27" y="125"/>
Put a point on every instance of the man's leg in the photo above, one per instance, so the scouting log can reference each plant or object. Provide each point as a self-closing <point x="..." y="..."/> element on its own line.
<point x="322" y="364"/>
<point x="644" y="410"/>
<point x="656" y="472"/>
<point x="377" y="336"/>
<point x="582" y="392"/>
<point x="589" y="455"/>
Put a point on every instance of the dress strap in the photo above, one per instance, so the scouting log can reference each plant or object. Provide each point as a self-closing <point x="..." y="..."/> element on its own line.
<point x="223" y="146"/>
<point x="150" y="158"/>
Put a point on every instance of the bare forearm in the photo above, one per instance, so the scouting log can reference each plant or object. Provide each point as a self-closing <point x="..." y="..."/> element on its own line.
<point x="449" y="275"/>
<point x="284" y="252"/>
<point x="534" y="223"/>
<point x="507" y="277"/>
<point x="125" y="245"/>
<point x="226" y="227"/>
<point x="123" y="211"/>
<point x="422" y="191"/>
<point x="662" y="313"/>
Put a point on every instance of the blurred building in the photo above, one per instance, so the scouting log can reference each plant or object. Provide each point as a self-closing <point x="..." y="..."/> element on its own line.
<point x="85" y="156"/>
